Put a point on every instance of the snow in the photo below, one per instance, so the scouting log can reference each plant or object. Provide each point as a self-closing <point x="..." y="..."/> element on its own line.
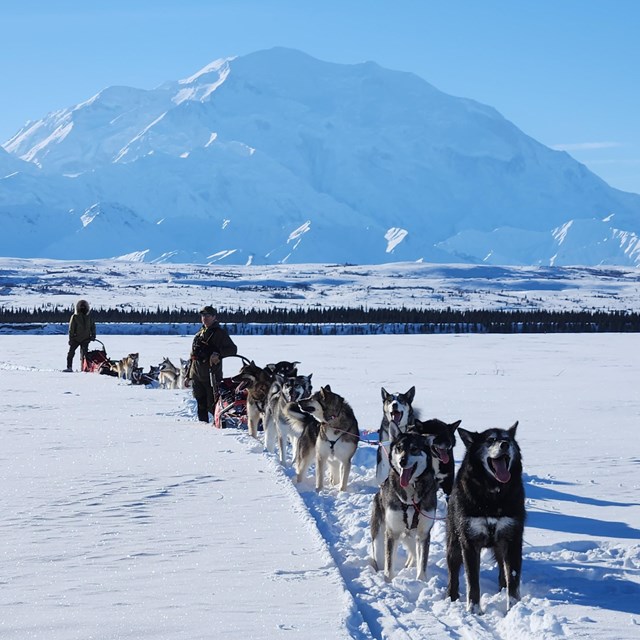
<point x="378" y="162"/>
<point x="124" y="517"/>
<point x="129" y="283"/>
<point x="394" y="237"/>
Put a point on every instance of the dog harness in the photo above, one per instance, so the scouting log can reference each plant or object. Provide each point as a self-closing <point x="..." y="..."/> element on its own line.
<point x="416" y="515"/>
<point x="323" y="431"/>
<point x="332" y="443"/>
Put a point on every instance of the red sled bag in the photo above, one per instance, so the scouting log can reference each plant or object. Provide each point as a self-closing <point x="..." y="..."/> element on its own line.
<point x="96" y="361"/>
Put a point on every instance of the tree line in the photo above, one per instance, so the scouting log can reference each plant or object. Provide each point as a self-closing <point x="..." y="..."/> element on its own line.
<point x="392" y="320"/>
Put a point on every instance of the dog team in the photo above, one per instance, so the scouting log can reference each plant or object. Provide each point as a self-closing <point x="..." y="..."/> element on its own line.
<point x="414" y="459"/>
<point x="485" y="498"/>
<point x="165" y="375"/>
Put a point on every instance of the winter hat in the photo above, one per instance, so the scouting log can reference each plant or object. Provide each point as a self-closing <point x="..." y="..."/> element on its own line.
<point x="208" y="309"/>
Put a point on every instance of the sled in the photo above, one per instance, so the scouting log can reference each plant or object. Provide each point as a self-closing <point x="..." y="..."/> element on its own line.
<point x="96" y="361"/>
<point x="230" y="410"/>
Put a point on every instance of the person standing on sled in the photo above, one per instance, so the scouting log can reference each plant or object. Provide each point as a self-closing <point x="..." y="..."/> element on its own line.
<point x="210" y="345"/>
<point x="82" y="330"/>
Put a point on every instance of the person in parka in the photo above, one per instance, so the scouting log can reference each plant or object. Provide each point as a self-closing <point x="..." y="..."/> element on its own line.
<point x="210" y="345"/>
<point x="82" y="330"/>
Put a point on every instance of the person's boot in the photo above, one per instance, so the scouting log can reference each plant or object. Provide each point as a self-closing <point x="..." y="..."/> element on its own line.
<point x="69" y="366"/>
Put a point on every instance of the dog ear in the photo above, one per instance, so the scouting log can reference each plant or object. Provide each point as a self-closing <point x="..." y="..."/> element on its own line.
<point x="468" y="437"/>
<point x="410" y="394"/>
<point x="453" y="426"/>
<point x="512" y="430"/>
<point x="325" y="389"/>
<point x="385" y="394"/>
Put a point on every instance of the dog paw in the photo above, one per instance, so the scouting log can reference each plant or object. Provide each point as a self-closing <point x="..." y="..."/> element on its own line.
<point x="512" y="602"/>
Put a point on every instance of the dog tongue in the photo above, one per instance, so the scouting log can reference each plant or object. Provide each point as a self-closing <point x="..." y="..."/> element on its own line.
<point x="406" y="475"/>
<point x="443" y="454"/>
<point x="500" y="469"/>
<point x="397" y="416"/>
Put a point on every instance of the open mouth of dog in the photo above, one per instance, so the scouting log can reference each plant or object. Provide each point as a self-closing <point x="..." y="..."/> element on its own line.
<point x="500" y="468"/>
<point x="396" y="416"/>
<point x="442" y="453"/>
<point x="407" y="474"/>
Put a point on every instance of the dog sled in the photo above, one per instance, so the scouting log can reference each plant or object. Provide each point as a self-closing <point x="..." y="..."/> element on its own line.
<point x="96" y="361"/>
<point x="230" y="410"/>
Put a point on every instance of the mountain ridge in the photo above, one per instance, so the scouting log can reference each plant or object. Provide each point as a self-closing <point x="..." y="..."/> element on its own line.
<point x="229" y="162"/>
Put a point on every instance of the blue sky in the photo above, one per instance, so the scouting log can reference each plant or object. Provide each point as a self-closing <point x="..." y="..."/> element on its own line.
<point x="564" y="71"/>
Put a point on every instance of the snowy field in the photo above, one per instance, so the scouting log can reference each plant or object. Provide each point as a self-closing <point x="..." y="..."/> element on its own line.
<point x="123" y="517"/>
<point x="141" y="285"/>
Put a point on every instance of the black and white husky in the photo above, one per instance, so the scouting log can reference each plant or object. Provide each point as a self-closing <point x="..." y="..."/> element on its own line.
<point x="396" y="408"/>
<point x="442" y="439"/>
<point x="284" y="368"/>
<point x="282" y="420"/>
<point x="332" y="442"/>
<point x="486" y="510"/>
<point x="404" y="508"/>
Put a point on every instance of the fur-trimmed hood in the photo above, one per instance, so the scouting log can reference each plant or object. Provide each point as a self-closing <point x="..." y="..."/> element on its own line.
<point x="82" y="306"/>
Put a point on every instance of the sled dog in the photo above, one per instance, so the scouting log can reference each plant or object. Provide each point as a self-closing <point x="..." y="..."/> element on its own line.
<point x="405" y="506"/>
<point x="183" y="376"/>
<point x="397" y="408"/>
<point x="284" y="368"/>
<point x="486" y="510"/>
<point x="125" y="367"/>
<point x="168" y="374"/>
<point x="257" y="381"/>
<point x="278" y="427"/>
<point x="305" y="429"/>
<point x="442" y="440"/>
<point x="335" y="443"/>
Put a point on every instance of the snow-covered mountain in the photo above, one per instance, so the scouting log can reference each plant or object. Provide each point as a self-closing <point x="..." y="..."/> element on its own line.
<point x="278" y="157"/>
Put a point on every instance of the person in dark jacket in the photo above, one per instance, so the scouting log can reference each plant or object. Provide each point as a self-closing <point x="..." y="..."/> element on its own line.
<point x="82" y="330"/>
<point x="210" y="345"/>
